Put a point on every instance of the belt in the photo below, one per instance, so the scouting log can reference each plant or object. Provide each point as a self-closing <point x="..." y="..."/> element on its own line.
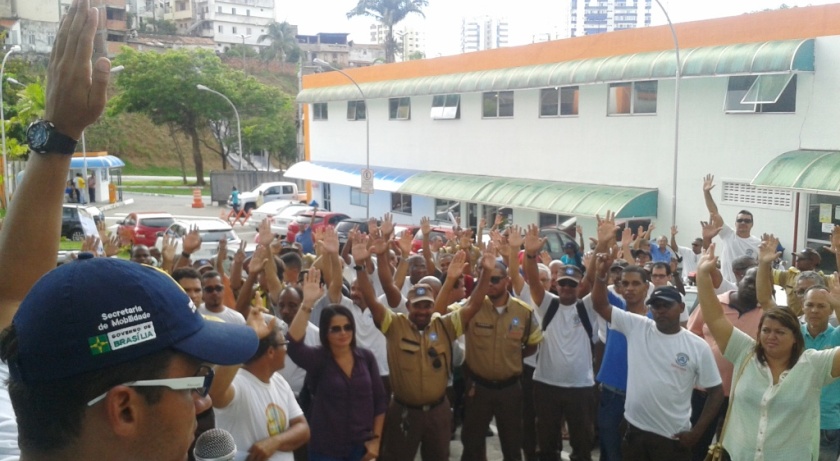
<point x="425" y="407"/>
<point x="495" y="384"/>
<point x="612" y="389"/>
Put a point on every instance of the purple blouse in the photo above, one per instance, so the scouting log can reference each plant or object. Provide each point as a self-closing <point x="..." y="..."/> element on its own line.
<point x="342" y="408"/>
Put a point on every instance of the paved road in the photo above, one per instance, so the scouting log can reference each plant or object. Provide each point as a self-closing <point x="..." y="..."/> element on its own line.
<point x="182" y="207"/>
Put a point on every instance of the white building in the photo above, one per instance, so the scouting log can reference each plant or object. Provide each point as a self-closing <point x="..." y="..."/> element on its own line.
<point x="598" y="16"/>
<point x="410" y="40"/>
<point x="483" y="33"/>
<point x="580" y="126"/>
<point x="229" y="22"/>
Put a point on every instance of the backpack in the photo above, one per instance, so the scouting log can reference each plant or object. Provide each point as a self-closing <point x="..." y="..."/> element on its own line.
<point x="581" y="310"/>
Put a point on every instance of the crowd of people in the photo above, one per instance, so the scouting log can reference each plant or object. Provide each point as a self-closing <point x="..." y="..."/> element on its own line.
<point x="370" y="351"/>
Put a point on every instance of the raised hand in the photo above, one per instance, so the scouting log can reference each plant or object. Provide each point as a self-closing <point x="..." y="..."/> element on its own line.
<point x="627" y="237"/>
<point x="167" y="250"/>
<point x="488" y="257"/>
<point x="404" y="243"/>
<point x="499" y="220"/>
<point x="834" y="247"/>
<point x="239" y="256"/>
<point x="264" y="230"/>
<point x="674" y="231"/>
<point x="91" y="244"/>
<point x="708" y="261"/>
<point x="192" y="241"/>
<point x="606" y="229"/>
<point x="259" y="259"/>
<point x="545" y="257"/>
<point x="533" y="242"/>
<point x="458" y="265"/>
<point x="360" y="249"/>
<point x="515" y="238"/>
<point x="112" y="245"/>
<point x="767" y="249"/>
<point x="312" y="290"/>
<point x="708" y="182"/>
<point x="709" y="229"/>
<point x="387" y="224"/>
<point x="426" y="225"/>
<point x="330" y="240"/>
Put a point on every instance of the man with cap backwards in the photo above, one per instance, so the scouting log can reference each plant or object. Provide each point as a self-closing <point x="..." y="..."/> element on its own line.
<point x="806" y="260"/>
<point x="107" y="358"/>
<point x="420" y="357"/>
<point x="665" y="362"/>
<point x="563" y="379"/>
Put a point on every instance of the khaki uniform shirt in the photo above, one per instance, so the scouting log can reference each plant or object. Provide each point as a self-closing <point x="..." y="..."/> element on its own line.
<point x="418" y="378"/>
<point x="787" y="280"/>
<point x="495" y="341"/>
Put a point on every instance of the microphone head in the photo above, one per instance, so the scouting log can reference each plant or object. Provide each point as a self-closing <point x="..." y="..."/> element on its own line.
<point x="215" y="444"/>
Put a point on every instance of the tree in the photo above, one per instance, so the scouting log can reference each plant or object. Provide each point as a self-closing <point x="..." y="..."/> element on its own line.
<point x="416" y="55"/>
<point x="388" y="13"/>
<point x="283" y="43"/>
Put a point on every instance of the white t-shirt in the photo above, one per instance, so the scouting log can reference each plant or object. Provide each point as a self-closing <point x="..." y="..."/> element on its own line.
<point x="689" y="260"/>
<point x="293" y="374"/>
<point x="258" y="410"/>
<point x="734" y="247"/>
<point x="228" y="315"/>
<point x="367" y="335"/>
<point x="662" y="370"/>
<point x="565" y="357"/>
<point x="399" y="308"/>
<point x="9" y="450"/>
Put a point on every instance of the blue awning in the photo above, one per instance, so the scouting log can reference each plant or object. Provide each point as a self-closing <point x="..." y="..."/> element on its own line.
<point x="107" y="161"/>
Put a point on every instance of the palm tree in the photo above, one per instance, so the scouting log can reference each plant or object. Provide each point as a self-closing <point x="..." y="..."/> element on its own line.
<point x="282" y="37"/>
<point x="388" y="13"/>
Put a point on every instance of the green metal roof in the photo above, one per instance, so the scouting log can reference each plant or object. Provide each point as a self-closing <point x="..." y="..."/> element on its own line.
<point x="808" y="170"/>
<point x="782" y="56"/>
<point x="544" y="196"/>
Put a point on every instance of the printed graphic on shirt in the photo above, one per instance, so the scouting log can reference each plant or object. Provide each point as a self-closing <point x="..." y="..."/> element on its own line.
<point x="275" y="419"/>
<point x="681" y="361"/>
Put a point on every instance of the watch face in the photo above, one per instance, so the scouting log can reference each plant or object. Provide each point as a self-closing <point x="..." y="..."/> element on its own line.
<point x="37" y="135"/>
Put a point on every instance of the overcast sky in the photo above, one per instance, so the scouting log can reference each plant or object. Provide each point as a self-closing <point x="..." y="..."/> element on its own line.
<point x="526" y="17"/>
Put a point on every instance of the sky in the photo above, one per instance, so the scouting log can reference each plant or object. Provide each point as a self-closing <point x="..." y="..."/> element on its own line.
<point x="525" y="17"/>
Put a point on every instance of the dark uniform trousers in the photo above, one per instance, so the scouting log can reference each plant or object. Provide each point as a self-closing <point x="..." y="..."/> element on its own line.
<point x="529" y="415"/>
<point x="639" y="445"/>
<point x="574" y="404"/>
<point x="407" y="427"/>
<point x="502" y="400"/>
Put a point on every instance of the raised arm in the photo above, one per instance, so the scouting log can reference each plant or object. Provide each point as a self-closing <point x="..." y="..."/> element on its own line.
<point x="674" y="245"/>
<point x="600" y="299"/>
<point x="488" y="263"/>
<point x="379" y="247"/>
<point x="708" y="185"/>
<point x="533" y="244"/>
<point x="627" y="245"/>
<point x="456" y="268"/>
<point x="333" y="276"/>
<point x="362" y="253"/>
<point x="236" y="268"/>
<point x="711" y="308"/>
<point x="75" y="97"/>
<point x="764" y="277"/>
<point x="835" y="245"/>
<point x="259" y="260"/>
<point x="426" y="228"/>
<point x="515" y="241"/>
<point x="710" y="229"/>
<point x="312" y="292"/>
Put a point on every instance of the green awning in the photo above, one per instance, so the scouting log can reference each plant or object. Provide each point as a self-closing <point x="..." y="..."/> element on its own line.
<point x="544" y="196"/>
<point x="775" y="57"/>
<point x="806" y="170"/>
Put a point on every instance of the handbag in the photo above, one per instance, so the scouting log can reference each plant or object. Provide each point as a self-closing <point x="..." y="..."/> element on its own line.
<point x="716" y="452"/>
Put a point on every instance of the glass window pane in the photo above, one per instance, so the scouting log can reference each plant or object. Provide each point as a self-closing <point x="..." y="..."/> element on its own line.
<point x="569" y="100"/>
<point x="645" y="97"/>
<point x="404" y="112"/>
<point x="786" y="101"/>
<point x="767" y="89"/>
<point x="351" y="110"/>
<point x="549" y="102"/>
<point x="619" y="98"/>
<point x="438" y="101"/>
<point x="393" y="105"/>
<point x="736" y="90"/>
<point x="453" y="100"/>
<point x="506" y="104"/>
<point x="490" y="105"/>
<point x="361" y="110"/>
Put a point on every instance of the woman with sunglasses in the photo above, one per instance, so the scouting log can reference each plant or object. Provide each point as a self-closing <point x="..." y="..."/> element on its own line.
<point x="775" y="397"/>
<point x="349" y="400"/>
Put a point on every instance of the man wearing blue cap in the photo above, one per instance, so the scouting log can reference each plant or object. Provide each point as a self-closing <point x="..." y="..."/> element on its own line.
<point x="107" y="359"/>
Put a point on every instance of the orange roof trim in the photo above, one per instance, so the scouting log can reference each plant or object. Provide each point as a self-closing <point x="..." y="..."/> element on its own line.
<point x="794" y="23"/>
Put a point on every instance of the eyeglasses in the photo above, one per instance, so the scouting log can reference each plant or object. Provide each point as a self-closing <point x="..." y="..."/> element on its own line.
<point x="800" y="293"/>
<point x="200" y="384"/>
<point x="336" y="329"/>
<point x="496" y="279"/>
<point x="659" y="276"/>
<point x="434" y="355"/>
<point x="744" y="221"/>
<point x="216" y="288"/>
<point x="567" y="283"/>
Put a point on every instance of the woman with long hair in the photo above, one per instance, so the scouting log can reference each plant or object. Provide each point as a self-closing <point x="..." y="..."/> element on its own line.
<point x="775" y="396"/>
<point x="349" y="401"/>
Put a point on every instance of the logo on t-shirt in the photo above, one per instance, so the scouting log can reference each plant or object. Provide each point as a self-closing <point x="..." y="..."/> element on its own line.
<point x="682" y="359"/>
<point x="275" y="419"/>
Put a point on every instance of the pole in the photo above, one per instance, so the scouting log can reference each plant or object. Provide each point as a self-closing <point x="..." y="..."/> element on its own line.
<point x="13" y="49"/>
<point x="238" y="124"/>
<point x="323" y="63"/>
<point x="676" y="114"/>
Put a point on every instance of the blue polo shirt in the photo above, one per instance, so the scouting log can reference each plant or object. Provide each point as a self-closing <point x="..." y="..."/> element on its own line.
<point x="613" y="370"/>
<point x="830" y="395"/>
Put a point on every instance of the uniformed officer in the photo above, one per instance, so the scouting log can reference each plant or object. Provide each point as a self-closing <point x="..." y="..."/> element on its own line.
<point x="500" y="334"/>
<point x="420" y="358"/>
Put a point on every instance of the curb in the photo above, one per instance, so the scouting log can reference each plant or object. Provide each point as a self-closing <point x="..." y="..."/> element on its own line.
<point x="111" y="206"/>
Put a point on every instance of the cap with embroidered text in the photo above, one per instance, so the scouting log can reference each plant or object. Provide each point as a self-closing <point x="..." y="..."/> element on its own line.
<point x="95" y="313"/>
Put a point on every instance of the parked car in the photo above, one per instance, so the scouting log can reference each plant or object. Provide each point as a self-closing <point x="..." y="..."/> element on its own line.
<point x="280" y="222"/>
<point x="141" y="228"/>
<point x="97" y="214"/>
<point x="77" y="223"/>
<point x="555" y="237"/>
<point x="268" y="210"/>
<point x="318" y="220"/>
<point x="343" y="228"/>
<point x="268" y="192"/>
<point x="437" y="230"/>
<point x="211" y="231"/>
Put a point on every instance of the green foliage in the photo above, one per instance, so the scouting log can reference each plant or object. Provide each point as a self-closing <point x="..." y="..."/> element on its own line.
<point x="283" y="46"/>
<point x="388" y="13"/>
<point x="239" y="50"/>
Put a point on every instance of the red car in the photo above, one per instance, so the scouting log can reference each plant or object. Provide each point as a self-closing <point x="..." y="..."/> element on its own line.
<point x="437" y="231"/>
<point x="141" y="228"/>
<point x="318" y="220"/>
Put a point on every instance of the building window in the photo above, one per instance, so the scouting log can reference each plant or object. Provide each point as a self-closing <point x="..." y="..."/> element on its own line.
<point x="219" y="10"/>
<point x="31" y="39"/>
<point x="761" y="93"/>
<point x="558" y="101"/>
<point x="248" y="31"/>
<point x="497" y="104"/>
<point x="356" y="110"/>
<point x="632" y="98"/>
<point x="319" y="111"/>
<point x="51" y="38"/>
<point x="399" y="109"/>
<point x="446" y="107"/>
<point x="400" y="203"/>
<point x="247" y="12"/>
<point x="221" y="29"/>
<point x="447" y="210"/>
<point x="233" y="11"/>
<point x="357" y="197"/>
<point x="233" y="29"/>
<point x="327" y="196"/>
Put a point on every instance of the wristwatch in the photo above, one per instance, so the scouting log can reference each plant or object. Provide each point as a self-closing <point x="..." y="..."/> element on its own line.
<point x="43" y="138"/>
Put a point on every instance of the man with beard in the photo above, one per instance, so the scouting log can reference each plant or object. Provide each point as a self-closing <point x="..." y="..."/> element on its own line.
<point x="741" y="308"/>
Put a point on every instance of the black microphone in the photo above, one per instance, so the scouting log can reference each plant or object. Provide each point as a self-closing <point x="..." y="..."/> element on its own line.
<point x="215" y="445"/>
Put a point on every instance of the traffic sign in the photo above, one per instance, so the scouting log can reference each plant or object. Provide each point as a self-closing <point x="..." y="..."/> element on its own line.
<point x="367" y="181"/>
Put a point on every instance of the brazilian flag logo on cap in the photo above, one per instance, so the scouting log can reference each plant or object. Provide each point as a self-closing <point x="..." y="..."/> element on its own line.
<point x="99" y="344"/>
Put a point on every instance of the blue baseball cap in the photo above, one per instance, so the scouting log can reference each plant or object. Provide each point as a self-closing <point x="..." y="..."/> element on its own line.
<point x="95" y="313"/>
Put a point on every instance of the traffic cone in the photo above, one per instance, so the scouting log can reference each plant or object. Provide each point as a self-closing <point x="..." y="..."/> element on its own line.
<point x="197" y="203"/>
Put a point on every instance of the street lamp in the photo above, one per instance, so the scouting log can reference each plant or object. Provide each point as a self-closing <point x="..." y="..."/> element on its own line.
<point x="14" y="49"/>
<point x="676" y="113"/>
<point x="243" y="36"/>
<point x="323" y="63"/>
<point x="238" y="125"/>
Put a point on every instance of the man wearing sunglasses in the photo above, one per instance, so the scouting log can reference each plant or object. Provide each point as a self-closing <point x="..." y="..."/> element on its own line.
<point x="739" y="242"/>
<point x="212" y="293"/>
<point x="107" y="359"/>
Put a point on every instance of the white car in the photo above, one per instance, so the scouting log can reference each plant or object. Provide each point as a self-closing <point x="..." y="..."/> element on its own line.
<point x="269" y="210"/>
<point x="280" y="222"/>
<point x="211" y="230"/>
<point x="267" y="192"/>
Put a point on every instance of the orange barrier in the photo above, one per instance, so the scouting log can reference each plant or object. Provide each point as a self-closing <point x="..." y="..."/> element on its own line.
<point x="197" y="203"/>
<point x="233" y="217"/>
